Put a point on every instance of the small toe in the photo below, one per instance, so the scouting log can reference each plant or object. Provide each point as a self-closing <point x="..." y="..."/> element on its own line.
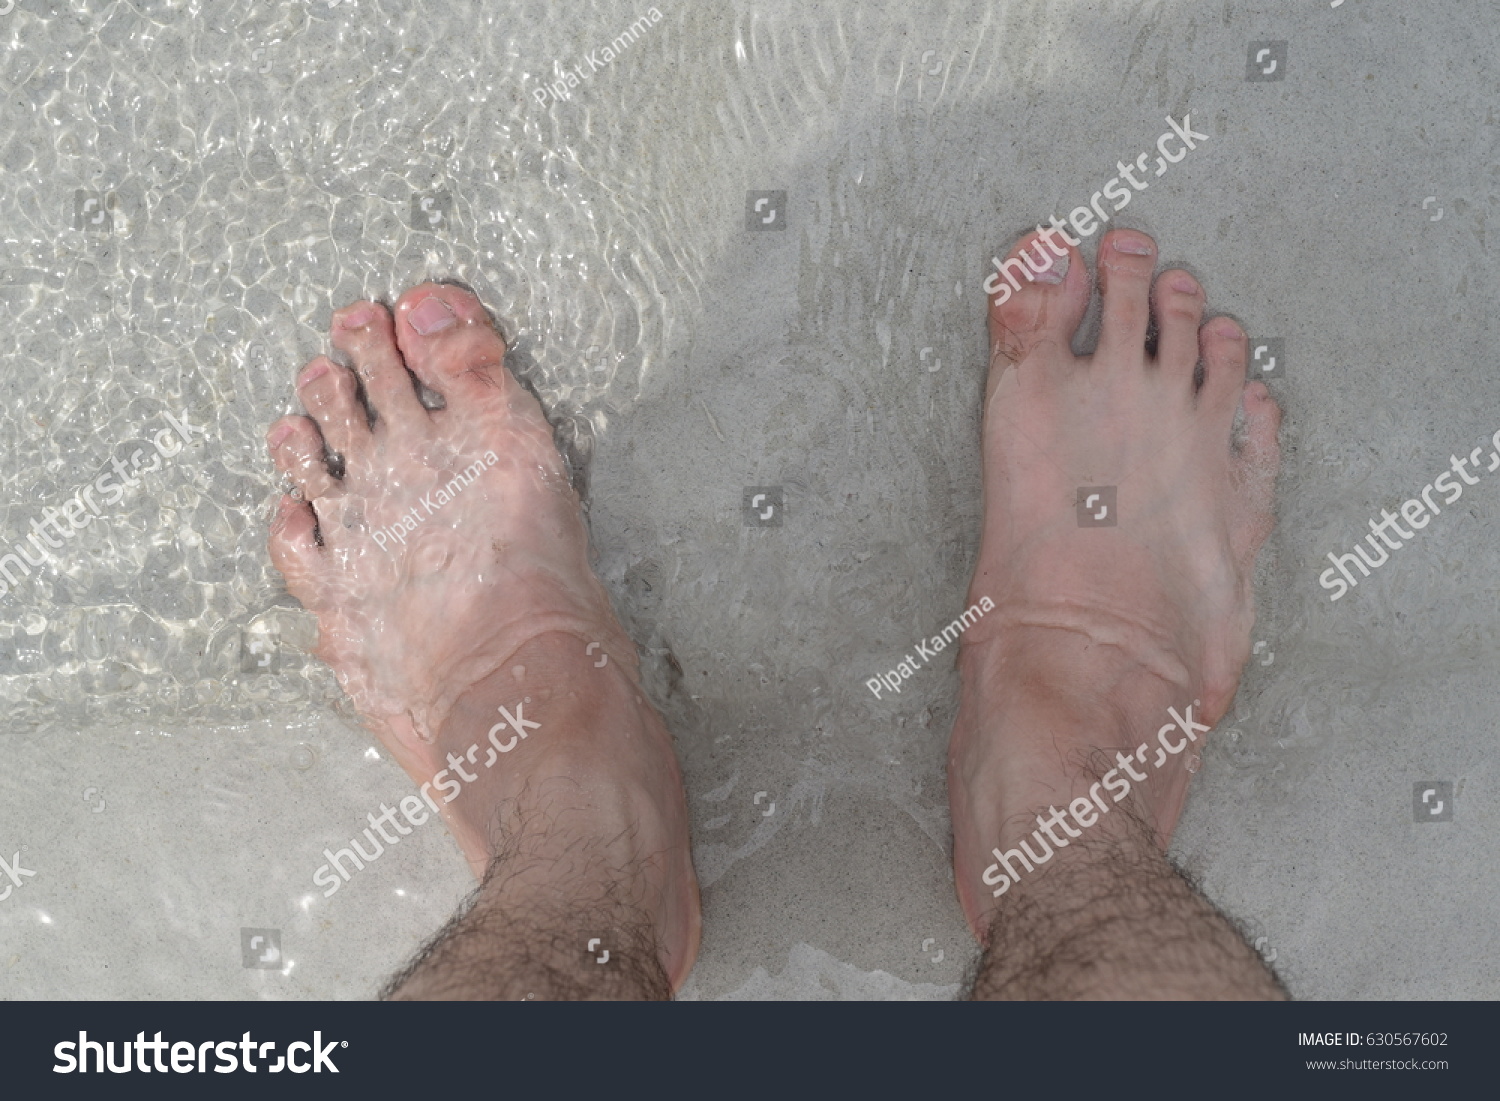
<point x="331" y="397"/>
<point x="294" y="548"/>
<point x="1256" y="466"/>
<point x="449" y="342"/>
<point x="297" y="450"/>
<point x="1223" y="348"/>
<point x="1262" y="423"/>
<point x="1178" y="306"/>
<point x="1126" y="260"/>
<point x="366" y="333"/>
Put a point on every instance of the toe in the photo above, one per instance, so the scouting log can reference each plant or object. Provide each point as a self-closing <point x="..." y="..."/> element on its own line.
<point x="1037" y="297"/>
<point x="331" y="397"/>
<point x="1256" y="465"/>
<point x="1262" y="423"/>
<point x="365" y="332"/>
<point x="1178" y="304"/>
<point x="1126" y="260"/>
<point x="294" y="548"/>
<point x="1223" y="347"/>
<point x="448" y="341"/>
<point x="297" y="450"/>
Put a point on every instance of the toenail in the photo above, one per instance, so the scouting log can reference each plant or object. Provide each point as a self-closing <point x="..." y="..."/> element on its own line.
<point x="273" y="441"/>
<point x="1223" y="326"/>
<point x="1184" y="283"/>
<point x="431" y="316"/>
<point x="313" y="373"/>
<point x="358" y="317"/>
<point x="1133" y="246"/>
<point x="1056" y="271"/>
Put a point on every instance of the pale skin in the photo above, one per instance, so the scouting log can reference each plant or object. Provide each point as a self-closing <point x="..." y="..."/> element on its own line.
<point x="582" y="831"/>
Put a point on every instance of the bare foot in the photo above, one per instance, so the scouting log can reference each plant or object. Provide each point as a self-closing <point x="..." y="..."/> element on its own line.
<point x="1098" y="631"/>
<point x="445" y="556"/>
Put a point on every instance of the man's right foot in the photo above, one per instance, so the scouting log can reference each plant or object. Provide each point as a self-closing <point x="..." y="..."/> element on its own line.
<point x="446" y="558"/>
<point x="1098" y="631"/>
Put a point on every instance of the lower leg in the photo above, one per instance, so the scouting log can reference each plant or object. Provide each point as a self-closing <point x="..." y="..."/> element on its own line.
<point x="1106" y="916"/>
<point x="1117" y="921"/>
<point x="527" y="932"/>
<point x="548" y="923"/>
<point x="587" y="893"/>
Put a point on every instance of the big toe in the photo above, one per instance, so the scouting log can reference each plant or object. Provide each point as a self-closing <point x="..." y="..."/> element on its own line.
<point x="449" y="342"/>
<point x="1036" y="298"/>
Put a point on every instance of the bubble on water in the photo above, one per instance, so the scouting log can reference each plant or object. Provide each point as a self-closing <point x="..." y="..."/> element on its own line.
<point x="303" y="757"/>
<point x="1194" y="763"/>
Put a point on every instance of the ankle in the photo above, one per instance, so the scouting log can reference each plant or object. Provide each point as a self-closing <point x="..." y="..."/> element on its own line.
<point x="1075" y="668"/>
<point x="529" y="740"/>
<point x="560" y="680"/>
<point x="1061" y="747"/>
<point x="1028" y="693"/>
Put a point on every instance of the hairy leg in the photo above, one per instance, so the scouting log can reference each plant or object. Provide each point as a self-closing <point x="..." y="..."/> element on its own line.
<point x="510" y="944"/>
<point x="585" y="865"/>
<point x="1108" y="916"/>
<point x="1118" y="922"/>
